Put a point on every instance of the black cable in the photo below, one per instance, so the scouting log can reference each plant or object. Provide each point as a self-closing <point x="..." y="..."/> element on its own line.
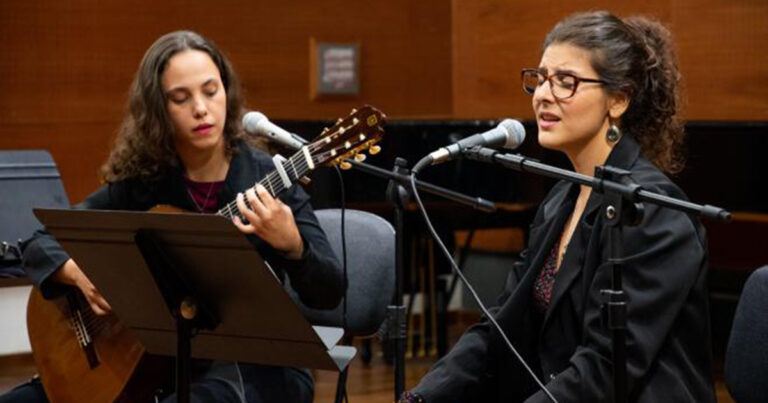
<point x="472" y="290"/>
<point x="343" y="249"/>
<point x="344" y="261"/>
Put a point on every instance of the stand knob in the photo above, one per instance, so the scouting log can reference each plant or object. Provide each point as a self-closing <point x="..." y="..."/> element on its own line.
<point x="188" y="309"/>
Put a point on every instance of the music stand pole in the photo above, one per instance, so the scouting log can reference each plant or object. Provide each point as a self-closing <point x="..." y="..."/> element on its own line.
<point x="189" y="311"/>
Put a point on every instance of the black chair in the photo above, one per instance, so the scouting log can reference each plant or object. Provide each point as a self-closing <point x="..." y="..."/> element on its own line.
<point x="370" y="271"/>
<point x="28" y="179"/>
<point x="746" y="360"/>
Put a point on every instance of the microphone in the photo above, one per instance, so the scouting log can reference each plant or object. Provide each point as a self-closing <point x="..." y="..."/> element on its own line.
<point x="509" y="134"/>
<point x="258" y="124"/>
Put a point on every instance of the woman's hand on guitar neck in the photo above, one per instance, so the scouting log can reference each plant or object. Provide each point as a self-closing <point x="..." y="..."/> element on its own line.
<point x="271" y="220"/>
<point x="70" y="273"/>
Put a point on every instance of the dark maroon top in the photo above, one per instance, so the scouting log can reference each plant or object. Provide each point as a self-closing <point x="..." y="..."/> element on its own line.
<point x="542" y="291"/>
<point x="205" y="195"/>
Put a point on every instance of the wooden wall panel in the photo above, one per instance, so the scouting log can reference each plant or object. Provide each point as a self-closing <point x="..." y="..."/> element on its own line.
<point x="722" y="49"/>
<point x="724" y="57"/>
<point x="66" y="66"/>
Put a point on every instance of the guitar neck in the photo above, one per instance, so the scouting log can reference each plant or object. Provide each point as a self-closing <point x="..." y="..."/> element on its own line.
<point x="295" y="167"/>
<point x="358" y="131"/>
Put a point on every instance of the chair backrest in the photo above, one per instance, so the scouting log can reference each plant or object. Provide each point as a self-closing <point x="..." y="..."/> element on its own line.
<point x="746" y="360"/>
<point x="370" y="270"/>
<point x="28" y="179"/>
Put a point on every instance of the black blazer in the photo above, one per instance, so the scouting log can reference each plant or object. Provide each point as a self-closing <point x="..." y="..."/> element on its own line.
<point x="664" y="278"/>
<point x="316" y="277"/>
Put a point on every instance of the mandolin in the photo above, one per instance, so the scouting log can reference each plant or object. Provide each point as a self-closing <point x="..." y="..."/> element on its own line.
<point x="82" y="357"/>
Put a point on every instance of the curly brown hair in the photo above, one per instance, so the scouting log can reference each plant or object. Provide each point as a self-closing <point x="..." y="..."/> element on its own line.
<point x="144" y="146"/>
<point x="634" y="56"/>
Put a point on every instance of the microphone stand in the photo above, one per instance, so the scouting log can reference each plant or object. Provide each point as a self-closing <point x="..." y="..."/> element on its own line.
<point x="399" y="195"/>
<point x="622" y="206"/>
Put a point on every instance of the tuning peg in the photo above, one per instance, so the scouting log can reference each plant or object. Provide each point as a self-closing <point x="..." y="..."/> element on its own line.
<point x="373" y="150"/>
<point x="325" y="130"/>
<point x="360" y="157"/>
<point x="339" y="120"/>
<point x="345" y="165"/>
<point x="354" y="111"/>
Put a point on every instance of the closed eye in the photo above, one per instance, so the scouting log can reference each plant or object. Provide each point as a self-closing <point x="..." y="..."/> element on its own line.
<point x="178" y="96"/>
<point x="564" y="80"/>
<point x="210" y="89"/>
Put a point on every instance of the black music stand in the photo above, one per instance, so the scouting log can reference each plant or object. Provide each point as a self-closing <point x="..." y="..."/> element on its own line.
<point x="192" y="285"/>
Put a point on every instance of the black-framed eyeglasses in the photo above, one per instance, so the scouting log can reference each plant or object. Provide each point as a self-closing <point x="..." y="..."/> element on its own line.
<point x="563" y="85"/>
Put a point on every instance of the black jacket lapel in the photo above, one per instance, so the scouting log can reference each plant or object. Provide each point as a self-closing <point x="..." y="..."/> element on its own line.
<point x="623" y="156"/>
<point x="542" y="237"/>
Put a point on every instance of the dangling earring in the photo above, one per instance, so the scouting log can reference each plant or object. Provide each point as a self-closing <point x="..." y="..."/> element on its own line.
<point x="614" y="133"/>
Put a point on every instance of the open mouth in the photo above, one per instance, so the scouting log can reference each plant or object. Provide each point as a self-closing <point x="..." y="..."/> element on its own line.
<point x="548" y="117"/>
<point x="548" y="120"/>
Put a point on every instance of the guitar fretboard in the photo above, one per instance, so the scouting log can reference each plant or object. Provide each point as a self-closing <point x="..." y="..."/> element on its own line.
<point x="360" y="130"/>
<point x="295" y="168"/>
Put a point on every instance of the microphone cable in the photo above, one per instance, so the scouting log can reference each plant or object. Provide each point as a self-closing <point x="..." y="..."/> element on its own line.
<point x="344" y="263"/>
<point x="472" y="290"/>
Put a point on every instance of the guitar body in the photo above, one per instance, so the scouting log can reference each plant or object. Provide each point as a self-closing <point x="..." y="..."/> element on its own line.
<point x="101" y="371"/>
<point x="166" y="208"/>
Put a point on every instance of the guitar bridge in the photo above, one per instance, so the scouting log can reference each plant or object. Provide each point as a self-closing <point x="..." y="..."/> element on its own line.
<point x="83" y="334"/>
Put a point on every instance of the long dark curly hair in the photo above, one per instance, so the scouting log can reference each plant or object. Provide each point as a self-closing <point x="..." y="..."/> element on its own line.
<point x="635" y="56"/>
<point x="144" y="146"/>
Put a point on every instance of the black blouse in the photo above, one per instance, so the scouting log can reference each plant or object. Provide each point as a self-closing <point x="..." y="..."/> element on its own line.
<point x="316" y="277"/>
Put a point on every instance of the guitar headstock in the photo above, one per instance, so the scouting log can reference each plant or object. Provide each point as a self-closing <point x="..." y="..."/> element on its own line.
<point x="349" y="138"/>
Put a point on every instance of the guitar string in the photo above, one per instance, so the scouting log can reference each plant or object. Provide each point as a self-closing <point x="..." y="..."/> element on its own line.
<point x="273" y="179"/>
<point x="96" y="327"/>
<point x="93" y="324"/>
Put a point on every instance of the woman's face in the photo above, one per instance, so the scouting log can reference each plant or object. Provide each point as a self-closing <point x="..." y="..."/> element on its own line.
<point x="574" y="124"/>
<point x="196" y="101"/>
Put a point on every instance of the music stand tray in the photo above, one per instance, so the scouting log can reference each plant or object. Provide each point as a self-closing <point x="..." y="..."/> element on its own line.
<point x="257" y="321"/>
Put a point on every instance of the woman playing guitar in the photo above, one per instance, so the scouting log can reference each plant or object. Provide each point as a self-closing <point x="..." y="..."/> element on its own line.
<point x="181" y="144"/>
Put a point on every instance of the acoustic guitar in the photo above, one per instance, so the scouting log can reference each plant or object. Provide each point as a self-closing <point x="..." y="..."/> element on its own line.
<point x="84" y="358"/>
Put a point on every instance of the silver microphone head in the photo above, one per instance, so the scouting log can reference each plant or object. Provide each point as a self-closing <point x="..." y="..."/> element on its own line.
<point x="515" y="133"/>
<point x="253" y="121"/>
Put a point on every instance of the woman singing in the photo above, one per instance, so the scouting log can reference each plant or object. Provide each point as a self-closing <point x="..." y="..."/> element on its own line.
<point x="604" y="93"/>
